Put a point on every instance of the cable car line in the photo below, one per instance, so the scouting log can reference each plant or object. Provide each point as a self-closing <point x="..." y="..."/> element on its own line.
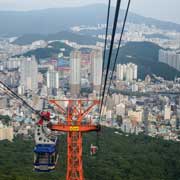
<point x="103" y="81"/>
<point x="103" y="66"/>
<point x="119" y="45"/>
<point x="21" y="99"/>
<point x="118" y="3"/>
<point x="105" y="44"/>
<point x="6" y="92"/>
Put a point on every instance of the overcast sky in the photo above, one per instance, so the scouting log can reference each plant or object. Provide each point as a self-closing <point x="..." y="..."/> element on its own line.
<point x="161" y="9"/>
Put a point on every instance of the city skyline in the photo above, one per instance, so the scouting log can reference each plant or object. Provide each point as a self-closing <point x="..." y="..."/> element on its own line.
<point x="169" y="9"/>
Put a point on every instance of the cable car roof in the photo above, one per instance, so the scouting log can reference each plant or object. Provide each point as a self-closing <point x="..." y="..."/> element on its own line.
<point x="44" y="148"/>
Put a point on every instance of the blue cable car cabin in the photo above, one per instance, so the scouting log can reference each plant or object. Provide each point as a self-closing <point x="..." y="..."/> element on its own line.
<point x="45" y="158"/>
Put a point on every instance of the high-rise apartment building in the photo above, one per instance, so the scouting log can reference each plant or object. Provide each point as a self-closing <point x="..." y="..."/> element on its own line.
<point x="120" y="72"/>
<point x="167" y="112"/>
<point x="120" y="109"/>
<point x="75" y="78"/>
<point x="29" y="74"/>
<point x="170" y="57"/>
<point x="96" y="68"/>
<point x="52" y="79"/>
<point x="127" y="72"/>
<point x="14" y="63"/>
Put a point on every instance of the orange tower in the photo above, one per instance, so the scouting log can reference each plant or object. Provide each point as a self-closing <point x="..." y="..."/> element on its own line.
<point x="74" y="114"/>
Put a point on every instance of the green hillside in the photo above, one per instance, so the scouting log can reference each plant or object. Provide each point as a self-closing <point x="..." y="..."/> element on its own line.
<point x="54" y="50"/>
<point x="120" y="157"/>
<point x="145" y="55"/>
<point x="63" y="35"/>
<point x="58" y="45"/>
<point x="42" y="53"/>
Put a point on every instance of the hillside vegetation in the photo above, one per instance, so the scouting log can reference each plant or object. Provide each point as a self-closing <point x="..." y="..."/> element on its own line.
<point x="145" y="55"/>
<point x="120" y="157"/>
<point x="51" y="51"/>
<point x="63" y="35"/>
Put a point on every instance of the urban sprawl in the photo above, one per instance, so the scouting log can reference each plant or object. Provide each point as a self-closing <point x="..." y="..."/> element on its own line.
<point x="150" y="106"/>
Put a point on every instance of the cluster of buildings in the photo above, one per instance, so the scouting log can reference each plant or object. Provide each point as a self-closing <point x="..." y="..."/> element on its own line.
<point x="137" y="33"/>
<point x="95" y="71"/>
<point x="171" y="58"/>
<point x="9" y="49"/>
<point x="34" y="80"/>
<point x="150" y="106"/>
<point x="31" y="75"/>
<point x="156" y="116"/>
<point x="127" y="72"/>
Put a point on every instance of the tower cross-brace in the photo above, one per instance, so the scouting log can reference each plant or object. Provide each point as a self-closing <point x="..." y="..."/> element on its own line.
<point x="74" y="114"/>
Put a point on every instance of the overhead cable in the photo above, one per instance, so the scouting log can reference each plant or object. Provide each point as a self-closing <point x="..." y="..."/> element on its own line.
<point x="119" y="45"/>
<point x="111" y="49"/>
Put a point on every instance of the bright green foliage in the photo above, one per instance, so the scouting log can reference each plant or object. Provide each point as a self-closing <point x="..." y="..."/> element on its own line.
<point x="120" y="157"/>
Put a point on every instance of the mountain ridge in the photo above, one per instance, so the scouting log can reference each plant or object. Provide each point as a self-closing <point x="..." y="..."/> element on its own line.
<point x="53" y="20"/>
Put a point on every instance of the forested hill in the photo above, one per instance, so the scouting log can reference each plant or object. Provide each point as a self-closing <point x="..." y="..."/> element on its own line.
<point x="51" y="51"/>
<point x="63" y="35"/>
<point x="145" y="55"/>
<point x="120" y="157"/>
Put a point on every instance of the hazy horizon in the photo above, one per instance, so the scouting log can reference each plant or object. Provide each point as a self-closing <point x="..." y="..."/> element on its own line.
<point x="159" y="9"/>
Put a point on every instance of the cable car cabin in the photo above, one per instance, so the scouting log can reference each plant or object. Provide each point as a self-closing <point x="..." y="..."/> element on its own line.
<point x="93" y="150"/>
<point x="45" y="158"/>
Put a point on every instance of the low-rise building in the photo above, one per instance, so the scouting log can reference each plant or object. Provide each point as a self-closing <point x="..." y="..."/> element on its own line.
<point x="6" y="133"/>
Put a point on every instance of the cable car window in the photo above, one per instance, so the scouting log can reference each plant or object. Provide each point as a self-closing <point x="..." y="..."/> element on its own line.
<point x="42" y="158"/>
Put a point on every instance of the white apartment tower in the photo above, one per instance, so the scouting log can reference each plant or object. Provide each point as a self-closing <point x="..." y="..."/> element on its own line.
<point x="129" y="73"/>
<point x="126" y="72"/>
<point x="52" y="79"/>
<point x="135" y="71"/>
<point x="120" y="72"/>
<point x="120" y="109"/>
<point x="14" y="63"/>
<point x="96" y="68"/>
<point x="29" y="74"/>
<point x="170" y="57"/>
<point x="167" y="112"/>
<point x="75" y="78"/>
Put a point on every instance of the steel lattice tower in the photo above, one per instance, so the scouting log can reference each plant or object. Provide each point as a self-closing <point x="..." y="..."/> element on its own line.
<point x="74" y="114"/>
